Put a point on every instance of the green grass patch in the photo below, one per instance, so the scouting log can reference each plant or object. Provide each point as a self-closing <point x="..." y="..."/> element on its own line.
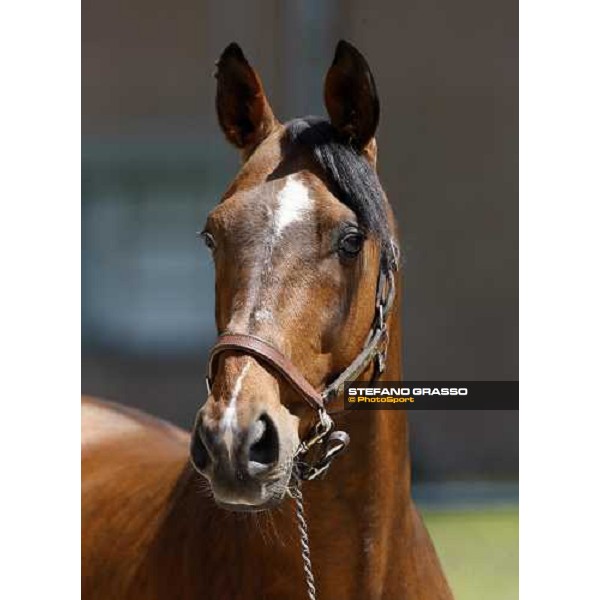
<point x="479" y="550"/>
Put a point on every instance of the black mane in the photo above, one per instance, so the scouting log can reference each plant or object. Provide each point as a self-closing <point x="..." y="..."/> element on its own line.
<point x="350" y="174"/>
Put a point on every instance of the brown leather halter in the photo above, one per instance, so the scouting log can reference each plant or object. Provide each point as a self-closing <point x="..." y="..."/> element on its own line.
<point x="374" y="349"/>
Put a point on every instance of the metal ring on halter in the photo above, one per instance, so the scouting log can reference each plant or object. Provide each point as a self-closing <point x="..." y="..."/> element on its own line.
<point x="320" y="430"/>
<point x="335" y="444"/>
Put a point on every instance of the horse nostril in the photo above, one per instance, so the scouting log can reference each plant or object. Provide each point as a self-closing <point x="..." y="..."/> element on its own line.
<point x="199" y="453"/>
<point x="264" y="448"/>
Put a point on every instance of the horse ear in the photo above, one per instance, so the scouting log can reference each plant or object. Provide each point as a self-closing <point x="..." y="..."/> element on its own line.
<point x="244" y="112"/>
<point x="351" y="98"/>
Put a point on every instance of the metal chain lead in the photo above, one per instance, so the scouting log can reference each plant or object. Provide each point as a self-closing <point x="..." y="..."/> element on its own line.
<point x="309" y="577"/>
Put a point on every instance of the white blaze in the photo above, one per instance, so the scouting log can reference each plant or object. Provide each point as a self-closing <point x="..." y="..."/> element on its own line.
<point x="229" y="419"/>
<point x="293" y="204"/>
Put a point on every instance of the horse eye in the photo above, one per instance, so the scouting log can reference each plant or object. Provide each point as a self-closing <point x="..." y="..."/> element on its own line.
<point x="208" y="239"/>
<point x="351" y="244"/>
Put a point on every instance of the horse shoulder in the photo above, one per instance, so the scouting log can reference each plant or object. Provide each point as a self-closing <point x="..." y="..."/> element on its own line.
<point x="130" y="466"/>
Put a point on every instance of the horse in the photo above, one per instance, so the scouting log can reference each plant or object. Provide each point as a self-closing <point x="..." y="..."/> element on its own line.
<point x="305" y="251"/>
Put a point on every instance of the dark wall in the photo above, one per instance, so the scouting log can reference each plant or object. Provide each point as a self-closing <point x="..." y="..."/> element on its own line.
<point x="154" y="162"/>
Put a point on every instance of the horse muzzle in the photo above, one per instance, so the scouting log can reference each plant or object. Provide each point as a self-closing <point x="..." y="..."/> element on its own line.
<point x="248" y="462"/>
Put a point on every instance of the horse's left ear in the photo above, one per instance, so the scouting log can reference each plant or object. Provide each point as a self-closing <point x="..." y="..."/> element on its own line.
<point x="351" y="98"/>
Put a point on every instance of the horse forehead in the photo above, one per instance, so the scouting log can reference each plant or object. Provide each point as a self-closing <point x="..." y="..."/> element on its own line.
<point x="300" y="197"/>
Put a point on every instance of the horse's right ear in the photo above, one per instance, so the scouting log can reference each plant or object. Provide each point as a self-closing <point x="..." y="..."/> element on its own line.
<point x="243" y="109"/>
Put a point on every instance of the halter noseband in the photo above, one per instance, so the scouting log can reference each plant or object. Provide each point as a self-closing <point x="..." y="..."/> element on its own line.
<point x="374" y="349"/>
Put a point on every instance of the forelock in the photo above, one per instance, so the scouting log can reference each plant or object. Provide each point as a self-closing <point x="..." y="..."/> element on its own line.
<point x="349" y="174"/>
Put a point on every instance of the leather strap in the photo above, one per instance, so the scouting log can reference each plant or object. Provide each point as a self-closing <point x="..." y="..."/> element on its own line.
<point x="249" y="344"/>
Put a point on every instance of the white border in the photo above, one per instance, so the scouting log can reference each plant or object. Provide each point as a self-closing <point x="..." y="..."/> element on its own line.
<point x="560" y="227"/>
<point x="40" y="300"/>
<point x="40" y="266"/>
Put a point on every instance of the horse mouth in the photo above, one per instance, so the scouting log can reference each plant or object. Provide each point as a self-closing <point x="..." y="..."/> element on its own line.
<point x="249" y="508"/>
<point x="271" y="496"/>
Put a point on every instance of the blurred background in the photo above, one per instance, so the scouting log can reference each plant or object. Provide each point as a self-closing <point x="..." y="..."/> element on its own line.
<point x="154" y="163"/>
